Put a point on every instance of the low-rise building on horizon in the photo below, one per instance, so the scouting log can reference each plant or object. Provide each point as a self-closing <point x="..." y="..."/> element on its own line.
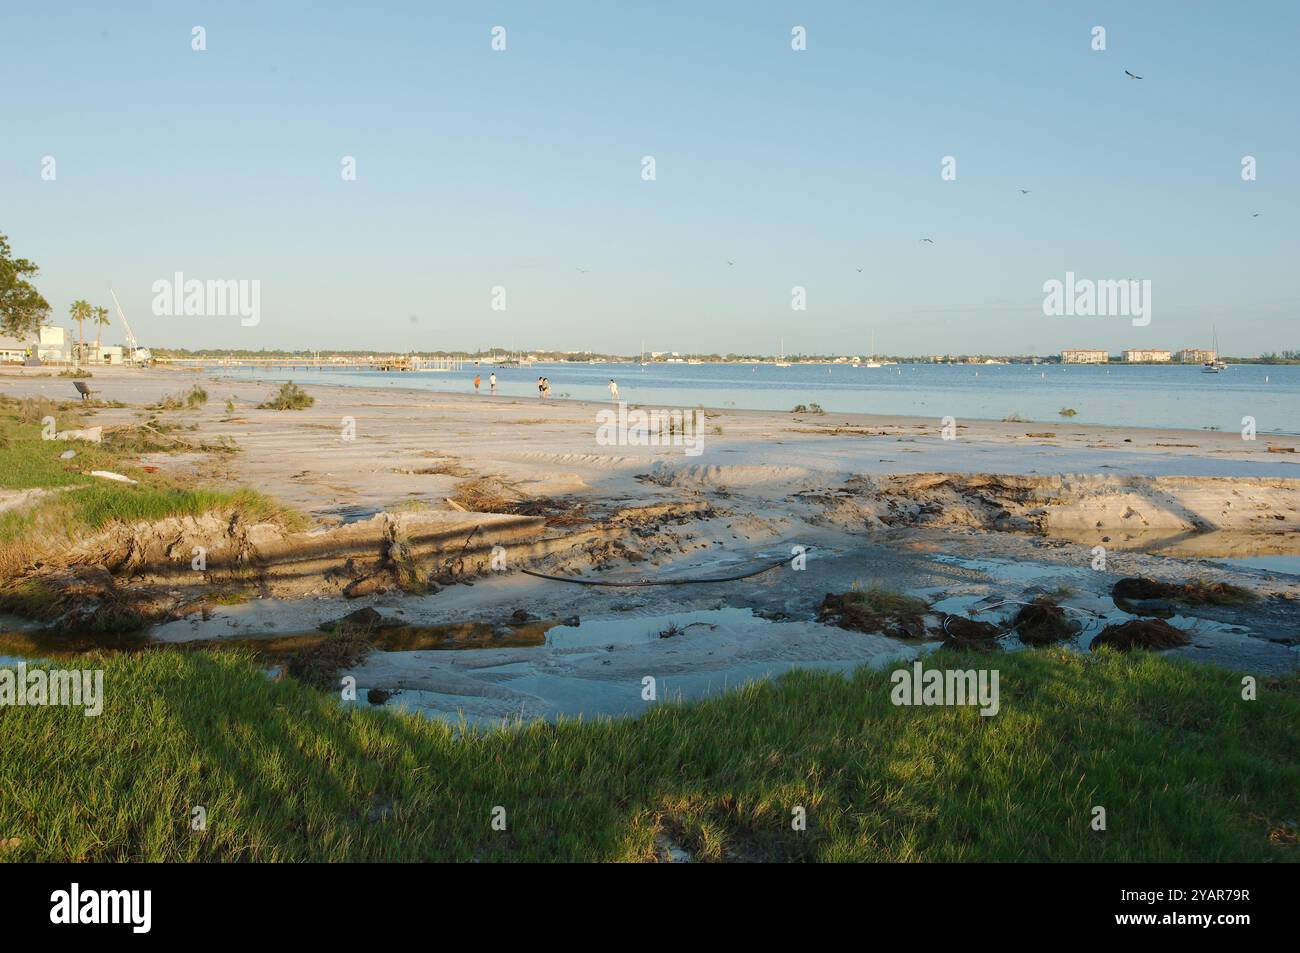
<point x="1146" y="356"/>
<point x="1197" y="355"/>
<point x="12" y="350"/>
<point x="1084" y="356"/>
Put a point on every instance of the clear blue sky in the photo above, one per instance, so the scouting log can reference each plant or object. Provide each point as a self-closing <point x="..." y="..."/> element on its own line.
<point x="478" y="168"/>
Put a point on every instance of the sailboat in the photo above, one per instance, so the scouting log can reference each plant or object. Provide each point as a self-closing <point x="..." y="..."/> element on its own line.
<point x="644" y="362"/>
<point x="872" y="362"/>
<point x="1214" y="365"/>
<point x="781" y="361"/>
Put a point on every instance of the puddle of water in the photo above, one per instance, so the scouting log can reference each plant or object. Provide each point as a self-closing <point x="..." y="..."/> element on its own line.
<point x="454" y="636"/>
<point x="351" y="513"/>
<point x="1286" y="565"/>
<point x="32" y="643"/>
<point x="403" y="638"/>
<point x="637" y="630"/>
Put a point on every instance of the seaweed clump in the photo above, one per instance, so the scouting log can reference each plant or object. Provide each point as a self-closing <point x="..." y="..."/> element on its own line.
<point x="1043" y="622"/>
<point x="1141" y="634"/>
<point x="875" y="610"/>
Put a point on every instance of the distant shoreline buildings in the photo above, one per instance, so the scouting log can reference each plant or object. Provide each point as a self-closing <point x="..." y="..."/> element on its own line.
<point x="55" y="345"/>
<point x="1188" y="355"/>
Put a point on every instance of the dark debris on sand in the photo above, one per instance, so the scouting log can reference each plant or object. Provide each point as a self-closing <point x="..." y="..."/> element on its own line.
<point x="1043" y="622"/>
<point x="1141" y="634"/>
<point x="964" y="633"/>
<point x="875" y="611"/>
<point x="1151" y="597"/>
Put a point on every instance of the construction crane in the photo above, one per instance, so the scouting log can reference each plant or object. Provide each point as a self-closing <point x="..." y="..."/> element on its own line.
<point x="134" y="352"/>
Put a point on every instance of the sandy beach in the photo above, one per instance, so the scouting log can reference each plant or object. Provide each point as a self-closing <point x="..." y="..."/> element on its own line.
<point x="1004" y="511"/>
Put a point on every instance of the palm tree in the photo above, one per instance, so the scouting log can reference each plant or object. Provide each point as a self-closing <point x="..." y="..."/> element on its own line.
<point x="101" y="322"/>
<point x="80" y="312"/>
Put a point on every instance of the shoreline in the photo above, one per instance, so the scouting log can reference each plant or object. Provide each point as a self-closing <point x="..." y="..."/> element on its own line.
<point x="855" y="418"/>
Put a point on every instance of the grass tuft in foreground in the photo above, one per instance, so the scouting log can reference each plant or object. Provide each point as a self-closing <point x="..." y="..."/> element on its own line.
<point x="1185" y="768"/>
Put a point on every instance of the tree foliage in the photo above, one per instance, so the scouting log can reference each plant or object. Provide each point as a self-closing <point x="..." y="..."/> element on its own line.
<point x="22" y="309"/>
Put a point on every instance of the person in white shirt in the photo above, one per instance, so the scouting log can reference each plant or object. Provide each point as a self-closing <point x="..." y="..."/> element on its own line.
<point x="613" y="390"/>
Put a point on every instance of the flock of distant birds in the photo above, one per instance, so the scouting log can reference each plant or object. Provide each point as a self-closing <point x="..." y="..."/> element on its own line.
<point x="930" y="241"/>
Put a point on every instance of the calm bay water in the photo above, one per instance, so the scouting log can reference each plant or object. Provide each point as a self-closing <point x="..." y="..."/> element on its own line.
<point x="1138" y="396"/>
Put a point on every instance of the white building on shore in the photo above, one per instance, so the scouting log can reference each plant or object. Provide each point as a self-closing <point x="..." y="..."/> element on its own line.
<point x="54" y="346"/>
<point x="1084" y="356"/>
<point x="1146" y="356"/>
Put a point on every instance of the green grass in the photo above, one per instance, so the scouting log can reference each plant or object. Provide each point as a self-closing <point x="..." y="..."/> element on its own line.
<point x="877" y="599"/>
<point x="96" y="506"/>
<point x="1186" y="769"/>
<point x="83" y="504"/>
<point x="29" y="462"/>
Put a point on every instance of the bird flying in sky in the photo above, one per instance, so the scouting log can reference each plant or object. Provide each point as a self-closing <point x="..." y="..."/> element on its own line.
<point x="930" y="240"/>
<point x="1131" y="75"/>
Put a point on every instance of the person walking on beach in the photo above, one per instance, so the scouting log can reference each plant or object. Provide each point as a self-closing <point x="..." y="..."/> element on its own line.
<point x="613" y="390"/>
<point x="541" y="391"/>
<point x="546" y="387"/>
<point x="477" y="381"/>
<point x="492" y="382"/>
